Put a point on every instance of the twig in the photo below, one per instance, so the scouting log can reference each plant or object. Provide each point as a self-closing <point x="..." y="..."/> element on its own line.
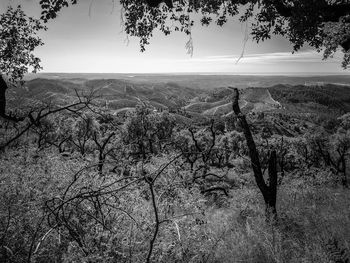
<point x="43" y="238"/>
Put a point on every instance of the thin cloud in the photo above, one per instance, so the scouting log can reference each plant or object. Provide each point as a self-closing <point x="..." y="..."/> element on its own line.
<point x="275" y="57"/>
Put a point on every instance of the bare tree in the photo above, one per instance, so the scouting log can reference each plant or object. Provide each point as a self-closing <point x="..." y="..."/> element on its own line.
<point x="268" y="190"/>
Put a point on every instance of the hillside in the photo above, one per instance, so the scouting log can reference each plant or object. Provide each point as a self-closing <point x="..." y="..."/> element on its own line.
<point x="112" y="93"/>
<point x="330" y="96"/>
<point x="252" y="100"/>
<point x="121" y="95"/>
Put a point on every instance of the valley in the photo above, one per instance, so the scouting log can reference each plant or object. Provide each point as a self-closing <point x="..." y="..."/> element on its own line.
<point x="285" y="109"/>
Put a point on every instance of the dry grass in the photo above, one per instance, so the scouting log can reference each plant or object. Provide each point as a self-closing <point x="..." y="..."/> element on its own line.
<point x="313" y="226"/>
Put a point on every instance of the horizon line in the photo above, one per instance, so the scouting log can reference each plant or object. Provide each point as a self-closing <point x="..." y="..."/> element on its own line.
<point x="204" y="73"/>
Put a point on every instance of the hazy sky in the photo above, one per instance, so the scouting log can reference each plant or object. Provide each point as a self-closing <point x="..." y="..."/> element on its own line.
<point x="79" y="42"/>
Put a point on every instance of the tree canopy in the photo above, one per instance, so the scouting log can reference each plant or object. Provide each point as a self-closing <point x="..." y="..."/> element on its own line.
<point x="18" y="39"/>
<point x="322" y="24"/>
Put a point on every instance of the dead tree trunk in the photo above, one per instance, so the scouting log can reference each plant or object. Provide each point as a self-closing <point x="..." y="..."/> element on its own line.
<point x="3" y="88"/>
<point x="344" y="180"/>
<point x="271" y="211"/>
<point x="269" y="191"/>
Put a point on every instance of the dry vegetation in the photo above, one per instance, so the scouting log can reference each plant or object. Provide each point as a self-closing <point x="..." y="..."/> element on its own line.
<point x="80" y="184"/>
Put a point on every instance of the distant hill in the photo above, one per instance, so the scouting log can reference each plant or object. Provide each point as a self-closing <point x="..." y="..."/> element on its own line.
<point x="201" y="81"/>
<point x="112" y="93"/>
<point x="39" y="87"/>
<point x="188" y="101"/>
<point x="331" y="96"/>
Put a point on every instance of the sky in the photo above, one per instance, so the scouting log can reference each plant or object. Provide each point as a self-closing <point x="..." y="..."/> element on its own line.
<point x="88" y="38"/>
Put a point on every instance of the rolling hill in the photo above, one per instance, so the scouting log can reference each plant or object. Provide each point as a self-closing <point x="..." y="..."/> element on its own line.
<point x="186" y="101"/>
<point x="251" y="100"/>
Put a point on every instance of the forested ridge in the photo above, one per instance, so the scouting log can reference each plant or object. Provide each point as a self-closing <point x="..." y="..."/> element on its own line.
<point x="82" y="183"/>
<point x="329" y="95"/>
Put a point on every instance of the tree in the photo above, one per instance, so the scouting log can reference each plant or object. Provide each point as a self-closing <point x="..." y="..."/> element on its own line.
<point x="147" y="132"/>
<point x="269" y="191"/>
<point x="319" y="23"/>
<point x="332" y="151"/>
<point x="18" y="39"/>
<point x="340" y="149"/>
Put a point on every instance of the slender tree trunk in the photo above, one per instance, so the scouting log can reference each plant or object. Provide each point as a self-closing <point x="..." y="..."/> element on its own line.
<point x="101" y="160"/>
<point x="3" y="88"/>
<point x="150" y="146"/>
<point x="269" y="192"/>
<point x="345" y="182"/>
<point x="271" y="211"/>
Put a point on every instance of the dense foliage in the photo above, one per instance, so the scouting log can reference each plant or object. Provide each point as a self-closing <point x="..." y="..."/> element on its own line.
<point x="18" y="34"/>
<point x="18" y="39"/>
